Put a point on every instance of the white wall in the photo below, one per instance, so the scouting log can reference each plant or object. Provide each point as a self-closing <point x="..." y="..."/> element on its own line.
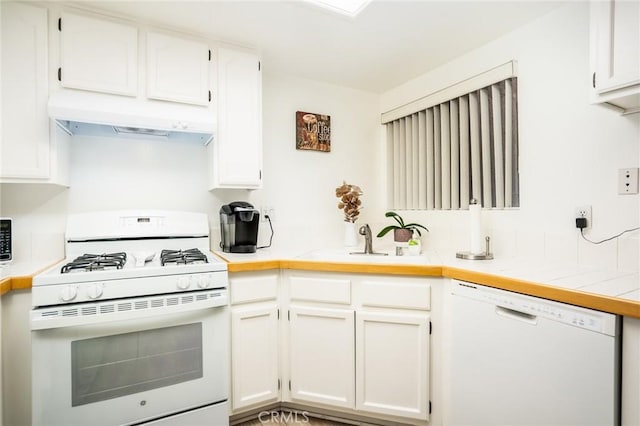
<point x="301" y="184"/>
<point x="569" y="150"/>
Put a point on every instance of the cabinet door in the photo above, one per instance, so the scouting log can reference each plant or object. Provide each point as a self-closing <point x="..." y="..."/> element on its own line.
<point x="177" y="69"/>
<point x="25" y="150"/>
<point x="99" y="55"/>
<point x="254" y="355"/>
<point x="321" y="355"/>
<point x="617" y="39"/>
<point x="392" y="364"/>
<point x="238" y="143"/>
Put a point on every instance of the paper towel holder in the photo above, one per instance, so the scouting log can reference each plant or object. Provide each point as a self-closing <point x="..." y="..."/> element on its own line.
<point x="487" y="255"/>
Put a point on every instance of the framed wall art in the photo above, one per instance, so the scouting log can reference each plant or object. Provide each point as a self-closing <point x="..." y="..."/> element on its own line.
<point x="313" y="131"/>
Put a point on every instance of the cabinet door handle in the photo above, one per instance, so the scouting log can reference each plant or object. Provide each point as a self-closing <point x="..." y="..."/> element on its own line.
<point x="60" y="74"/>
<point x="593" y="78"/>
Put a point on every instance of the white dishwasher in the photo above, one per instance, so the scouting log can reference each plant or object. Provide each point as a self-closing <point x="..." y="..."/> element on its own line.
<point x="520" y="360"/>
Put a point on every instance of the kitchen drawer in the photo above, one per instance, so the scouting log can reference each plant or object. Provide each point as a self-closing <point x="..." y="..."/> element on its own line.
<point x="325" y="290"/>
<point x="253" y="289"/>
<point x="390" y="294"/>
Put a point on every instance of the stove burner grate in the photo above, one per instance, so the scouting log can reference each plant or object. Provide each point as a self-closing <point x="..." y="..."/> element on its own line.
<point x="182" y="257"/>
<point x="95" y="262"/>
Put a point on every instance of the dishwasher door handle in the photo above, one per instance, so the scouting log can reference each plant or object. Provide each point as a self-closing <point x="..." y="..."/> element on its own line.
<point x="516" y="315"/>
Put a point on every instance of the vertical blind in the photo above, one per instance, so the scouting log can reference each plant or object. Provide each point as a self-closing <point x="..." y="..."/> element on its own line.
<point x="467" y="147"/>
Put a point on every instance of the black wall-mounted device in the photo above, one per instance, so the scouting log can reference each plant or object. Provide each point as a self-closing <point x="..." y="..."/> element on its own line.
<point x="6" y="240"/>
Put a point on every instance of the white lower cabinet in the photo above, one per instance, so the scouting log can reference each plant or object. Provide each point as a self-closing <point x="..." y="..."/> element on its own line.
<point x="321" y="348"/>
<point x="359" y="344"/>
<point x="352" y="345"/>
<point x="255" y="361"/>
<point x="392" y="364"/>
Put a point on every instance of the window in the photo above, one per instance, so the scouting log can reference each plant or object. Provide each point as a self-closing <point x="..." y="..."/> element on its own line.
<point x="442" y="156"/>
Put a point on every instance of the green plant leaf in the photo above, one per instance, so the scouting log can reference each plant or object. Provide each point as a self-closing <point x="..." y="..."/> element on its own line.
<point x="396" y="217"/>
<point x="384" y="231"/>
<point x="416" y="226"/>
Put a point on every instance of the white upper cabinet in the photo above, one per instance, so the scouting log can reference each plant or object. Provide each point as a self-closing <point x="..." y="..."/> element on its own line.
<point x="615" y="53"/>
<point x="98" y="54"/>
<point x="237" y="148"/>
<point x="177" y="69"/>
<point x="29" y="151"/>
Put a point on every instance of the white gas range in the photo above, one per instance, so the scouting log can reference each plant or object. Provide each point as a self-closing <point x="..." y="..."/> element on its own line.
<point x="132" y="327"/>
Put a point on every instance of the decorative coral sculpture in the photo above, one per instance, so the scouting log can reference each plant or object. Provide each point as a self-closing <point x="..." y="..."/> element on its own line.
<point x="349" y="203"/>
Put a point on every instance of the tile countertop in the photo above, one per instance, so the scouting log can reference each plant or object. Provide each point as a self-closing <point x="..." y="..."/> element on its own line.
<point x="18" y="275"/>
<point x="610" y="291"/>
<point x="606" y="290"/>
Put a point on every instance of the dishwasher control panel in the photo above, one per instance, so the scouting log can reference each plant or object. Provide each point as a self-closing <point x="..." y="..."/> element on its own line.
<point x="534" y="307"/>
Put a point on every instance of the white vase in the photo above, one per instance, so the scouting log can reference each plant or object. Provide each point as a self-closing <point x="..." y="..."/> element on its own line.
<point x="350" y="234"/>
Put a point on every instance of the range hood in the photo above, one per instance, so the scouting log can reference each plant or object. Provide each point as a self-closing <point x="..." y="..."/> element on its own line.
<point x="97" y="114"/>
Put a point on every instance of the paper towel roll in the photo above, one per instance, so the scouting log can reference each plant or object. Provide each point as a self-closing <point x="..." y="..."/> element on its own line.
<point x="475" y="231"/>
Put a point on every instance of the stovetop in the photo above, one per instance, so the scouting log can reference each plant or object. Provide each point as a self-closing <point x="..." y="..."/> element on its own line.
<point x="91" y="267"/>
<point x="124" y="254"/>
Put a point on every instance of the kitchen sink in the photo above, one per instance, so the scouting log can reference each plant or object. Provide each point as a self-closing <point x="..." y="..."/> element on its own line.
<point x="353" y="255"/>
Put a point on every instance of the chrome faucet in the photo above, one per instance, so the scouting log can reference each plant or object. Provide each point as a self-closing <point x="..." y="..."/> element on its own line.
<point x="368" y="243"/>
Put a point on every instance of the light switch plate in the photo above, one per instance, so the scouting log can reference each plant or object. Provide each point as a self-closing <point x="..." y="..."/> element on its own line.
<point x="628" y="181"/>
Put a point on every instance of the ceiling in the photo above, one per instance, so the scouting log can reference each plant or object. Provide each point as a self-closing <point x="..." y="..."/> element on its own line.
<point x="388" y="43"/>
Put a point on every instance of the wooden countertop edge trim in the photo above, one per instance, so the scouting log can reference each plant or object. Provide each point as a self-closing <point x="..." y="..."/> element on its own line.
<point x="264" y="265"/>
<point x="571" y="296"/>
<point x="5" y="285"/>
<point x="20" y="282"/>
<point x="306" y="265"/>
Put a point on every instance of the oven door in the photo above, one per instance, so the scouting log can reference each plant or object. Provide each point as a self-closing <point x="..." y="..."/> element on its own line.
<point x="130" y="361"/>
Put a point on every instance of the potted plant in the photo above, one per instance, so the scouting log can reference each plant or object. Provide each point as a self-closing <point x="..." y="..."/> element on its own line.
<point x="402" y="232"/>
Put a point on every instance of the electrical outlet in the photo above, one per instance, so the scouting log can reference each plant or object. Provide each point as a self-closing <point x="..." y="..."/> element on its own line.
<point x="584" y="212"/>
<point x="267" y="211"/>
<point x="628" y="181"/>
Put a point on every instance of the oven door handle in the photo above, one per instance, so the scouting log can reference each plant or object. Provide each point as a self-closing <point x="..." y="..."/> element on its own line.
<point x="124" y="309"/>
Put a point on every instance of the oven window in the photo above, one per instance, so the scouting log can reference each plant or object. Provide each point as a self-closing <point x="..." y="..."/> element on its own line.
<point x="123" y="364"/>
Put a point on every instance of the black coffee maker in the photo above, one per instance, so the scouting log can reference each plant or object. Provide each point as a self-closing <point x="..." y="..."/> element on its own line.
<point x="239" y="227"/>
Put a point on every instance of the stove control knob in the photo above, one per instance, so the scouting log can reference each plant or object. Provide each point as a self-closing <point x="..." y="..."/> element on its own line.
<point x="183" y="282"/>
<point x="68" y="293"/>
<point x="204" y="281"/>
<point x="94" y="291"/>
